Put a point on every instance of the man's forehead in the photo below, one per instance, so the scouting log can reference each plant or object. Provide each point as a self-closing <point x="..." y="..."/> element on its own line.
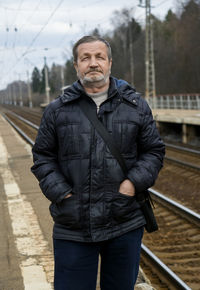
<point x="95" y="46"/>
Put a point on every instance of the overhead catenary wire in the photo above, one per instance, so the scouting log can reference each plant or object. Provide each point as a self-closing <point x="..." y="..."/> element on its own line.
<point x="18" y="9"/>
<point x="31" y="16"/>
<point x="158" y="5"/>
<point x="19" y="28"/>
<point x="35" y="37"/>
<point x="43" y="27"/>
<point x="14" y="26"/>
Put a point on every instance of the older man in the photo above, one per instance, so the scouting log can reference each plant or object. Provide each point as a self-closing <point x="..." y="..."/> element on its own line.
<point x="93" y="202"/>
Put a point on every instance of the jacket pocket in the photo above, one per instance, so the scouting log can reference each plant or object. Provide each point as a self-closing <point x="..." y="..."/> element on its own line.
<point x="66" y="212"/>
<point x="123" y="207"/>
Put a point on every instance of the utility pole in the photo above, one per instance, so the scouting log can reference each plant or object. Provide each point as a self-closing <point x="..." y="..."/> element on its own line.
<point x="9" y="95"/>
<point x="62" y="77"/>
<point x="47" y="89"/>
<point x="131" y="53"/>
<point x="14" y="95"/>
<point x="29" y="91"/>
<point x="20" y="92"/>
<point x="150" y="89"/>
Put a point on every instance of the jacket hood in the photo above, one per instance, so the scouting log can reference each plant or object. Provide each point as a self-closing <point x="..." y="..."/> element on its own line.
<point x="127" y="92"/>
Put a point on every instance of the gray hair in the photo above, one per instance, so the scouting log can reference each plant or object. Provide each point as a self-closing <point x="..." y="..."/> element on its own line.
<point x="91" y="38"/>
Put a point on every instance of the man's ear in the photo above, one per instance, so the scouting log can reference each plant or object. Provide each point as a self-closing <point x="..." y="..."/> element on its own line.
<point x="75" y="66"/>
<point x="110" y="63"/>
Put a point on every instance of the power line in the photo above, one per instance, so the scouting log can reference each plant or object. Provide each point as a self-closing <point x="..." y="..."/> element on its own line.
<point x="18" y="9"/>
<point x="33" y="12"/>
<point x="35" y="38"/>
<point x="158" y="5"/>
<point x="22" y="10"/>
<point x="38" y="34"/>
<point x="19" y="29"/>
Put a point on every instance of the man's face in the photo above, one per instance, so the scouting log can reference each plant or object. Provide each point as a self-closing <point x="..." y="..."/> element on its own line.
<point x="93" y="66"/>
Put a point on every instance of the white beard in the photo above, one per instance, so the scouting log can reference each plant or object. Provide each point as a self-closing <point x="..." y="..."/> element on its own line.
<point x="94" y="81"/>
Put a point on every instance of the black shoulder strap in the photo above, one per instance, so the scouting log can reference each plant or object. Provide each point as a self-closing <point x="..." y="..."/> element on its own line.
<point x="92" y="117"/>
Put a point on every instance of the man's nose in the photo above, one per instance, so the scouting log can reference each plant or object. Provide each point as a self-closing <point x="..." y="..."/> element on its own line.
<point x="93" y="62"/>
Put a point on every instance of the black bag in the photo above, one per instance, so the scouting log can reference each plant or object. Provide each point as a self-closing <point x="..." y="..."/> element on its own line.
<point x="143" y="198"/>
<point x="146" y="204"/>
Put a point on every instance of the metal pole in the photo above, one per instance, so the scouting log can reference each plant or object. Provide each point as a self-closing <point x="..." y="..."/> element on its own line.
<point x="14" y="95"/>
<point x="131" y="54"/>
<point x="150" y="84"/>
<point x="9" y="95"/>
<point x="29" y="91"/>
<point x="153" y="81"/>
<point x="62" y="78"/>
<point x="46" y="82"/>
<point x="20" y="93"/>
<point x="147" y="51"/>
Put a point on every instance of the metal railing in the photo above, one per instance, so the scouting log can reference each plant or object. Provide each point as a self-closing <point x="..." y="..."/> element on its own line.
<point x="178" y="101"/>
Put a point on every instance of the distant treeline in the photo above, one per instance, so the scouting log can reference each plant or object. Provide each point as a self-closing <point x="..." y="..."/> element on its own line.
<point x="176" y="50"/>
<point x="176" y="53"/>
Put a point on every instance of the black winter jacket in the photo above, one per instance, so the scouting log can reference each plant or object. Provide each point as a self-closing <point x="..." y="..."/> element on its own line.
<point x="71" y="157"/>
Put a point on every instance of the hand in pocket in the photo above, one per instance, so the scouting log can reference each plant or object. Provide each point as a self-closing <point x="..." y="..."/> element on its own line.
<point x="68" y="195"/>
<point x="127" y="187"/>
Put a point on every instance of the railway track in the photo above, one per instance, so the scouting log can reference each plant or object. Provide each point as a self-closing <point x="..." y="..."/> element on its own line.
<point x="170" y="256"/>
<point x="177" y="243"/>
<point x="182" y="156"/>
<point x="32" y="115"/>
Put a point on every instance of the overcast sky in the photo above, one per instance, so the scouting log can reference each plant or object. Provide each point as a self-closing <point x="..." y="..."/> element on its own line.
<point x="32" y="29"/>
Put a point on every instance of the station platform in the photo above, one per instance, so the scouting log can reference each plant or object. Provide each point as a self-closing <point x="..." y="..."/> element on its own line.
<point x="190" y="117"/>
<point x="26" y="251"/>
<point x="187" y="120"/>
<point x="25" y="224"/>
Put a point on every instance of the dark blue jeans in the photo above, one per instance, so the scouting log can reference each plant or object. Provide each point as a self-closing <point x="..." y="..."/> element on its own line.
<point x="76" y="263"/>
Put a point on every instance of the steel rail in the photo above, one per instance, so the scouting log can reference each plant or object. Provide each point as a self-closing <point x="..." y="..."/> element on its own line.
<point x="24" y="120"/>
<point x="29" y="140"/>
<point x="154" y="259"/>
<point x="190" y="150"/>
<point x="169" y="274"/>
<point x="183" y="163"/>
<point x="184" y="211"/>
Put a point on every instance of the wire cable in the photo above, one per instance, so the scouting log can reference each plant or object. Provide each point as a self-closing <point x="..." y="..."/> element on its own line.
<point x="43" y="27"/>
<point x="35" y="38"/>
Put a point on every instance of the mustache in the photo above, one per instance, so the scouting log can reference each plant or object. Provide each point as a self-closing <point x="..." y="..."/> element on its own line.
<point x="93" y="69"/>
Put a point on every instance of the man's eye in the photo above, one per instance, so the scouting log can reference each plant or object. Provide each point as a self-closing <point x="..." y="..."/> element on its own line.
<point x="100" y="57"/>
<point x="85" y="58"/>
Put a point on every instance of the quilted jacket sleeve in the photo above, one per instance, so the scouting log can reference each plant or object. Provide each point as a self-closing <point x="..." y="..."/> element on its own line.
<point x="151" y="152"/>
<point x="51" y="180"/>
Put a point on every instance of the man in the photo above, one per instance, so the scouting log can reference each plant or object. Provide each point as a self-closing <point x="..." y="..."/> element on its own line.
<point x="93" y="203"/>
